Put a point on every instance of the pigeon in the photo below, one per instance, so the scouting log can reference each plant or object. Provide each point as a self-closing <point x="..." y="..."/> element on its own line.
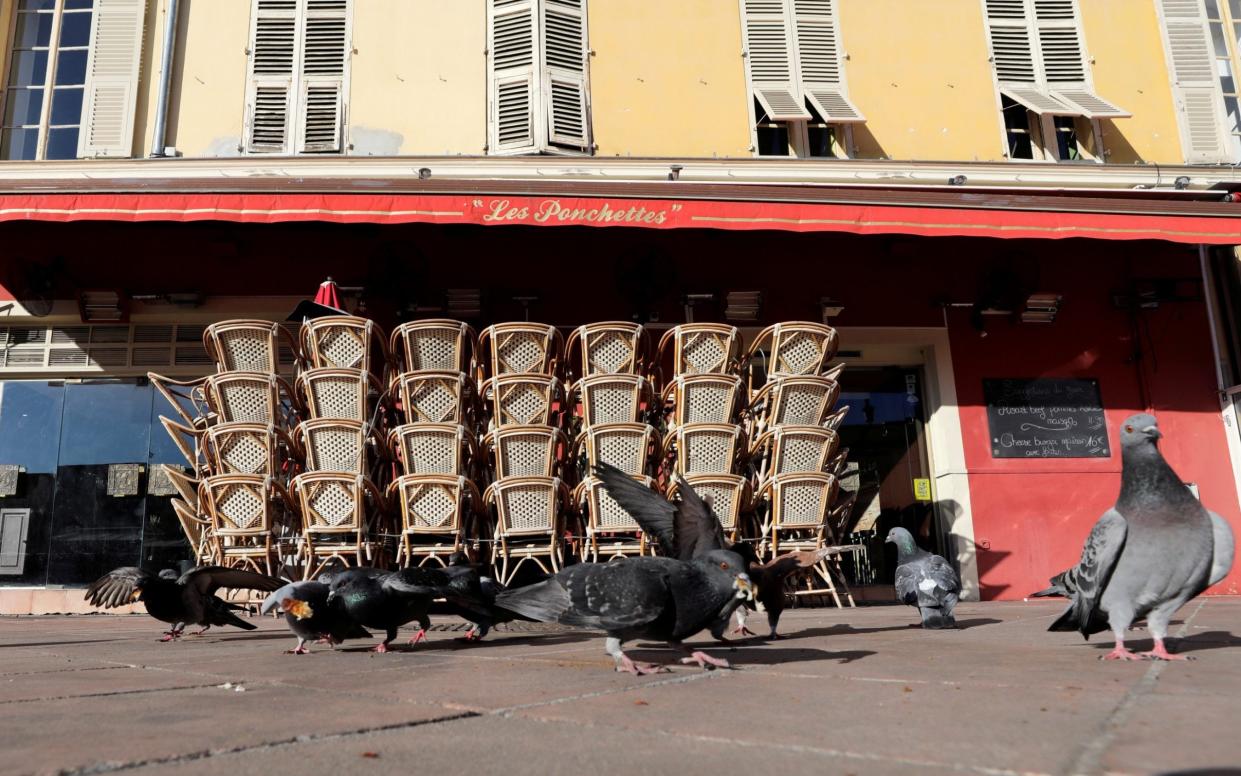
<point x="1154" y="550"/>
<point x="668" y="599"/>
<point x="769" y="578"/>
<point x="310" y="616"/>
<point x="472" y="596"/>
<point x="925" y="580"/>
<point x="178" y="601"/>
<point x="387" y="599"/>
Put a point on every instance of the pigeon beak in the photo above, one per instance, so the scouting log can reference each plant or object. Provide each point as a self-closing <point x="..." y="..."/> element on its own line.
<point x="1152" y="432"/>
<point x="744" y="587"/>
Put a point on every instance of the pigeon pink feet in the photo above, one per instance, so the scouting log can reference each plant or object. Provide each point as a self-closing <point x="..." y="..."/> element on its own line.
<point x="624" y="664"/>
<point x="706" y="661"/>
<point x="1161" y="653"/>
<point x="421" y="635"/>
<point x="1120" y="653"/>
<point x="741" y="630"/>
<point x="300" y="649"/>
<point x="471" y="637"/>
<point x="170" y="635"/>
<point x="381" y="647"/>
<point x="200" y="632"/>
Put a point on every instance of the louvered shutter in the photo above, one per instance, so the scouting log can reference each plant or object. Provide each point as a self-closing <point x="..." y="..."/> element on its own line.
<point x="324" y="62"/>
<point x="818" y="57"/>
<point x="1064" y="66"/>
<point x="273" y="64"/>
<point x="769" y="60"/>
<point x="111" y="92"/>
<point x="564" y="73"/>
<point x="1013" y="41"/>
<point x="511" y="39"/>
<point x="1195" y="88"/>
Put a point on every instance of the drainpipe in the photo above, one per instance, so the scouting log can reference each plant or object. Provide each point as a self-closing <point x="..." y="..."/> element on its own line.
<point x="165" y="81"/>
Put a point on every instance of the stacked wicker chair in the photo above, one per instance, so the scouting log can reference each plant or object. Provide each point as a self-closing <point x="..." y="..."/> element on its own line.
<point x="435" y="440"/>
<point x="705" y="442"/>
<point x="610" y="400"/>
<point x="520" y="385"/>
<point x="795" y="458"/>
<point x="234" y="507"/>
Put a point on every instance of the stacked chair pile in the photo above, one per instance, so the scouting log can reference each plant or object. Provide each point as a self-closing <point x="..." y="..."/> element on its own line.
<point x="435" y="441"/>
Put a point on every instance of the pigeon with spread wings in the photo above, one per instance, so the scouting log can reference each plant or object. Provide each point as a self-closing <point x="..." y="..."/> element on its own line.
<point x="179" y="601"/>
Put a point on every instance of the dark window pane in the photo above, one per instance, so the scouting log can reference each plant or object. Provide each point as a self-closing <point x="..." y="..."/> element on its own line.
<point x="163" y="450"/>
<point x="62" y="143"/>
<point x="1212" y="9"/>
<point x="105" y="423"/>
<point x="820" y="139"/>
<point x="33" y="29"/>
<point x="76" y="4"/>
<point x="1235" y="7"/>
<point x="30" y="424"/>
<point x="29" y="68"/>
<point x="1017" y="129"/>
<point x="773" y="140"/>
<point x="1217" y="37"/>
<point x="71" y="68"/>
<point x="37" y="5"/>
<point x="19" y="144"/>
<point x="67" y="106"/>
<point x="75" y="29"/>
<point x="1066" y="138"/>
<point x="23" y="107"/>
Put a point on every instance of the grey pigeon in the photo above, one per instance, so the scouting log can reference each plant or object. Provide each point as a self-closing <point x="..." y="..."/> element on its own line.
<point x="1154" y="550"/>
<point x="310" y="615"/>
<point x="471" y="596"/>
<point x="178" y="601"/>
<point x="770" y="578"/>
<point x="668" y="599"/>
<point x="925" y="580"/>
<point x="387" y="599"/>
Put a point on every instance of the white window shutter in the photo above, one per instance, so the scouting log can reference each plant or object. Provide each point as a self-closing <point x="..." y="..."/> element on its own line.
<point x="111" y="92"/>
<point x="769" y="46"/>
<point x="325" y="57"/>
<point x="563" y="25"/>
<point x="273" y="66"/>
<point x="1195" y="87"/>
<point x="817" y="32"/>
<point x="511" y="45"/>
<point x="1064" y="60"/>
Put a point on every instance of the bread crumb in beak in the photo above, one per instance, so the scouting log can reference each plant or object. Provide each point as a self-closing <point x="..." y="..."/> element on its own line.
<point x="299" y="609"/>
<point x="744" y="587"/>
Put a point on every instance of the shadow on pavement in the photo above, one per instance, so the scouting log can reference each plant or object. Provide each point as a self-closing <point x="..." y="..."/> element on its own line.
<point x="843" y="628"/>
<point x="1195" y="643"/>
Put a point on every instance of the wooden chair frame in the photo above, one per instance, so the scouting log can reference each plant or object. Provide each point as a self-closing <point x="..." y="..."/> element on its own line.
<point x="600" y="442"/>
<point x="526" y="451"/>
<point x="189" y="441"/>
<point x="198" y="532"/>
<point x="706" y="398"/>
<point x="339" y="445"/>
<point x="333" y="529"/>
<point x="192" y="391"/>
<point x="501" y="394"/>
<point x="343" y="342"/>
<point x="705" y="448"/>
<point x="411" y="492"/>
<point x="795" y="348"/>
<point x="608" y="347"/>
<point x="436" y="397"/>
<point x="434" y="345"/>
<point x="254" y="545"/>
<point x="330" y="392"/>
<point x="251" y="397"/>
<point x="528" y="543"/>
<point x="520" y="347"/>
<point x="246" y="345"/>
<point x="790" y="449"/>
<point x="808" y="528"/>
<point x="461" y="451"/>
<point x="701" y="348"/>
<point x="732" y="491"/>
<point x="248" y="448"/>
<point x="796" y="401"/>
<point x="611" y="398"/>
<point x="611" y="532"/>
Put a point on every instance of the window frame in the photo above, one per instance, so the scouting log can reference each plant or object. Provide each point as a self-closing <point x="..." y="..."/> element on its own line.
<point x="49" y="86"/>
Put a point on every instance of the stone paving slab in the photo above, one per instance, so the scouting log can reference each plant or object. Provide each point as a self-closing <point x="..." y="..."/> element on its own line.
<point x="850" y="691"/>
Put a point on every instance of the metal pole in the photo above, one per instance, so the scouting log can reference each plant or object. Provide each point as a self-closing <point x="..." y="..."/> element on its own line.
<point x="165" y="81"/>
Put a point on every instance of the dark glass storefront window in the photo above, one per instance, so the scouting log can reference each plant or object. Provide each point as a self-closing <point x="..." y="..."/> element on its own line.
<point x="70" y="437"/>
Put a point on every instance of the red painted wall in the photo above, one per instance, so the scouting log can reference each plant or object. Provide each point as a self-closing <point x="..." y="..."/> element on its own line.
<point x="1032" y="515"/>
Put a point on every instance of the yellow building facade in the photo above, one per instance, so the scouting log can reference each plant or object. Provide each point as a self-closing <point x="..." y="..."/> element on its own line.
<point x="619" y="78"/>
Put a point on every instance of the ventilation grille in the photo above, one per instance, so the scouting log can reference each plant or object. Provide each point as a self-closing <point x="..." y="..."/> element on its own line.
<point x="92" y="348"/>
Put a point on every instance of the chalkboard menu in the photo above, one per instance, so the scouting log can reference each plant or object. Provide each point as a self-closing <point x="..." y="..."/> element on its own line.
<point x="1051" y="418"/>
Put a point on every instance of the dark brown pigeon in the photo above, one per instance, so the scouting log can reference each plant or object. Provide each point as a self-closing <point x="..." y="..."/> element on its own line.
<point x="189" y="598"/>
<point x="770" y="578"/>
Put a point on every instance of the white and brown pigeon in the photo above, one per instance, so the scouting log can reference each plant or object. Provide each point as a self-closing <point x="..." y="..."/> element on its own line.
<point x="663" y="598"/>
<point x="1157" y="548"/>
<point x="179" y="601"/>
<point x="925" y="580"/>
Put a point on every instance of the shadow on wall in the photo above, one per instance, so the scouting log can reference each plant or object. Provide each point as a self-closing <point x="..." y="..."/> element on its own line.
<point x="1117" y="146"/>
<point x="950" y="516"/>
<point x="865" y="145"/>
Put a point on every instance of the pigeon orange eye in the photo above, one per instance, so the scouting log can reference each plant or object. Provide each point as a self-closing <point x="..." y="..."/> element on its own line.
<point x="1129" y="429"/>
<point x="724" y="566"/>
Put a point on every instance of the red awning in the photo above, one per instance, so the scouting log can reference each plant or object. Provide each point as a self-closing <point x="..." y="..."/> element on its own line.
<point x="496" y="210"/>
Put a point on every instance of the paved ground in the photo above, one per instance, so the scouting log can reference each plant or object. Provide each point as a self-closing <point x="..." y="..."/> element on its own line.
<point x="850" y="692"/>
